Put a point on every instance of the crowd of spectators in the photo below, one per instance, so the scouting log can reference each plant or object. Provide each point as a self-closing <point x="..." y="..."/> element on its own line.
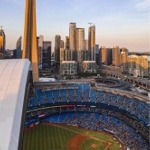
<point x="103" y="122"/>
<point x="85" y="93"/>
<point x="125" y="117"/>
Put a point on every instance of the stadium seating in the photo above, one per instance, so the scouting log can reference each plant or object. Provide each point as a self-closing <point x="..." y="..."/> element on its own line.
<point x="102" y="122"/>
<point x="84" y="93"/>
<point x="114" y="122"/>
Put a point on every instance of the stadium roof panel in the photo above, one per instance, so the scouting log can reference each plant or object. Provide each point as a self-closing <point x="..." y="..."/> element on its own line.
<point x="13" y="78"/>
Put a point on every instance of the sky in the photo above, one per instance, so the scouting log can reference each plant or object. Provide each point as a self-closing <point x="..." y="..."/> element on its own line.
<point x="123" y="23"/>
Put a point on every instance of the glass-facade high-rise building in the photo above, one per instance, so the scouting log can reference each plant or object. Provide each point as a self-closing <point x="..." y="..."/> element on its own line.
<point x="57" y="48"/>
<point x="67" y="46"/>
<point x="91" y="42"/>
<point x="46" y="62"/>
<point x="72" y="40"/>
<point x="40" y="49"/>
<point x="80" y="46"/>
<point x="17" y="52"/>
<point x="2" y="43"/>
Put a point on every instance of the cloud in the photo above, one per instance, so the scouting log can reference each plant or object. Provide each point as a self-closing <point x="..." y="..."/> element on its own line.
<point x="143" y="5"/>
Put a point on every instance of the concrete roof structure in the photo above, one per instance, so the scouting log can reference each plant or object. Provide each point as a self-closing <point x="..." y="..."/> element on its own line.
<point x="13" y="78"/>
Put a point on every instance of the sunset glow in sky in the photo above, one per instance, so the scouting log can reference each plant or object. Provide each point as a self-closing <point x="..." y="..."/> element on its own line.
<point x="125" y="23"/>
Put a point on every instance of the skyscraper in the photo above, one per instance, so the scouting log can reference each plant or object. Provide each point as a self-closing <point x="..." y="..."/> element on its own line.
<point x="30" y="49"/>
<point x="62" y="44"/>
<point x="40" y="49"/>
<point x="104" y="55"/>
<point x="132" y="63"/>
<point x="80" y="43"/>
<point x="97" y="53"/>
<point x="46" y="61"/>
<point x="18" y="53"/>
<point x="86" y="44"/>
<point x="116" y="56"/>
<point x="124" y="59"/>
<point x="72" y="39"/>
<point x="91" y="42"/>
<point x="65" y="53"/>
<point x="62" y="54"/>
<point x="67" y="43"/>
<point x="143" y="65"/>
<point x="57" y="48"/>
<point x="109" y="56"/>
<point x="40" y="41"/>
<point x="2" y="43"/>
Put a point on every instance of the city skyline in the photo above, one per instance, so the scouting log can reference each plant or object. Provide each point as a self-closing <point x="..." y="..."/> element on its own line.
<point x="120" y="23"/>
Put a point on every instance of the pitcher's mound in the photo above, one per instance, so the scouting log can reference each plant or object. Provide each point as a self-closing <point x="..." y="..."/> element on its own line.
<point x="94" y="146"/>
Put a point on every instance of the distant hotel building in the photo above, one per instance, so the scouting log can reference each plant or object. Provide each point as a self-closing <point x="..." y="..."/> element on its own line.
<point x="138" y="65"/>
<point x="68" y="68"/>
<point x="132" y="64"/>
<point x="89" y="66"/>
<point x="65" y="55"/>
<point x="2" y="43"/>
<point x="143" y="65"/>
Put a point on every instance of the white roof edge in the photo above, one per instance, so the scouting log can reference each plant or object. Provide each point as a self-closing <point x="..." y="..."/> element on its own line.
<point x="13" y="78"/>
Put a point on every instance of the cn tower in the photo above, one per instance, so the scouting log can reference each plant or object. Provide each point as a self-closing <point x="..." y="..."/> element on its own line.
<point x="30" y="50"/>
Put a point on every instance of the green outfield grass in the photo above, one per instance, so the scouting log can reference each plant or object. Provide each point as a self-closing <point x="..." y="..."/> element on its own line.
<point x="58" y="137"/>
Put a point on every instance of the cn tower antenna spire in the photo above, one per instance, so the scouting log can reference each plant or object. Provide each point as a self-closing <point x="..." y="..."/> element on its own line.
<point x="30" y="50"/>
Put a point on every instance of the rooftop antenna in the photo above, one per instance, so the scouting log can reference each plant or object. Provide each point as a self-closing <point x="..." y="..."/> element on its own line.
<point x="90" y="23"/>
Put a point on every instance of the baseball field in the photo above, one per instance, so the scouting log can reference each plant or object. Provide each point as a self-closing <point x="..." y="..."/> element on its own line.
<point x="61" y="137"/>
